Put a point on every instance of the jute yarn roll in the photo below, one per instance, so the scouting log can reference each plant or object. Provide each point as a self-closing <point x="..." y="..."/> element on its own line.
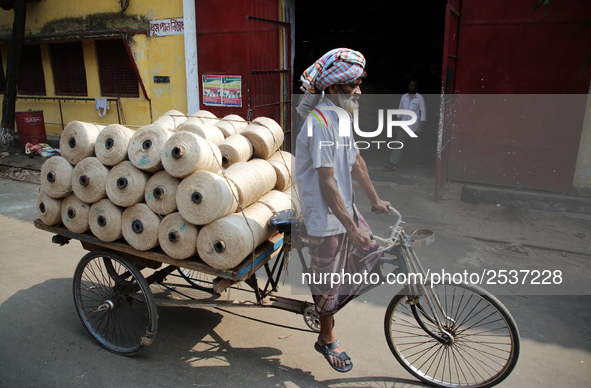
<point x="231" y="125"/>
<point x="160" y="193"/>
<point x="252" y="179"/>
<point x="145" y="147"/>
<point x="236" y="148"/>
<point x="171" y="120"/>
<point x="207" y="131"/>
<point x="77" y="140"/>
<point x="276" y="201"/>
<point x="184" y="153"/>
<point x="126" y="184"/>
<point x="292" y="194"/>
<point x="75" y="214"/>
<point x="203" y="197"/>
<point x="56" y="177"/>
<point x="224" y="243"/>
<point x="177" y="237"/>
<point x="111" y="144"/>
<point x="49" y="209"/>
<point x="265" y="135"/>
<point x="282" y="162"/>
<point x="104" y="220"/>
<point x="89" y="180"/>
<point x="139" y="226"/>
<point x="206" y="117"/>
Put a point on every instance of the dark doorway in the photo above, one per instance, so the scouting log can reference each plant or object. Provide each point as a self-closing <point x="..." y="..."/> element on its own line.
<point x="399" y="41"/>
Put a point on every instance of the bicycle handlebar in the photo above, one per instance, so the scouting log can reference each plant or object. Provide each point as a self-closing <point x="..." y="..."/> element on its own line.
<point x="398" y="219"/>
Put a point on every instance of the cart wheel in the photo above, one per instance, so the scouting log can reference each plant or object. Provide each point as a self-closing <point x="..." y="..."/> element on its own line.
<point x="484" y="347"/>
<point x="199" y="280"/>
<point x="114" y="302"/>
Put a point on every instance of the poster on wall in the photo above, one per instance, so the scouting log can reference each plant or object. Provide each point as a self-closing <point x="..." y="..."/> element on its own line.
<point x="232" y="90"/>
<point x="212" y="90"/>
<point x="223" y="90"/>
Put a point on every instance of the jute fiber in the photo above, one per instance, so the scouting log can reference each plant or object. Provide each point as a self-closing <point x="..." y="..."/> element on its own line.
<point x="207" y="131"/>
<point x="126" y="184"/>
<point x="75" y="214"/>
<point x="226" y="242"/>
<point x="104" y="220"/>
<point x="145" y="147"/>
<point x="177" y="237"/>
<point x="56" y="177"/>
<point x="265" y="135"/>
<point x="77" y="140"/>
<point x="206" y="117"/>
<point x="140" y="225"/>
<point x="171" y="120"/>
<point x="111" y="144"/>
<point x="276" y="201"/>
<point x="282" y="162"/>
<point x="231" y="125"/>
<point x="184" y="153"/>
<point x="203" y="197"/>
<point x="49" y="209"/>
<point x="293" y="196"/>
<point x="160" y="193"/>
<point x="89" y="180"/>
<point x="252" y="179"/>
<point x="236" y="148"/>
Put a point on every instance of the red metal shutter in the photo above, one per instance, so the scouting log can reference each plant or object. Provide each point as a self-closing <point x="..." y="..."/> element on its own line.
<point x="450" y="57"/>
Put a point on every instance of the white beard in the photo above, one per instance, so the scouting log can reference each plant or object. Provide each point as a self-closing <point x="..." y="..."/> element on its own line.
<point x="349" y="102"/>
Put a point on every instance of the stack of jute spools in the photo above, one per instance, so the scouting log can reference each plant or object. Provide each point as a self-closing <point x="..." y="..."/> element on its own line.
<point x="190" y="185"/>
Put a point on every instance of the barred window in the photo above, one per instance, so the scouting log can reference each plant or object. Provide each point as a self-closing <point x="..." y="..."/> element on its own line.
<point x="31" y="80"/>
<point x="116" y="72"/>
<point x="69" y="73"/>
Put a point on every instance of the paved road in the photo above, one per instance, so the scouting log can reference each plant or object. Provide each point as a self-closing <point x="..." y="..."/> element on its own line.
<point x="43" y="343"/>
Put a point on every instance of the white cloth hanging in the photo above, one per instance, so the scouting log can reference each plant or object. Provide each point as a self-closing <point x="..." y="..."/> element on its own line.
<point x="101" y="103"/>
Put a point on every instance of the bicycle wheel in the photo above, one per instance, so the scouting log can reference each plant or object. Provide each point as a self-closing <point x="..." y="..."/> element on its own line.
<point x="114" y="302"/>
<point x="484" y="347"/>
<point x="199" y="280"/>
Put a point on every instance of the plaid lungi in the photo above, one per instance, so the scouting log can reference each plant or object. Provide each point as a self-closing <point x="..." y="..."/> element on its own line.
<point x="335" y="254"/>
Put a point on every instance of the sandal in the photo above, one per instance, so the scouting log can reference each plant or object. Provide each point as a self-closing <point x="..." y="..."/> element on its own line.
<point x="390" y="166"/>
<point x="327" y="350"/>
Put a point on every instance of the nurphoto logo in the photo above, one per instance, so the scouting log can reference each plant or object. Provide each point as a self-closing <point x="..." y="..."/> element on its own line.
<point x="393" y="119"/>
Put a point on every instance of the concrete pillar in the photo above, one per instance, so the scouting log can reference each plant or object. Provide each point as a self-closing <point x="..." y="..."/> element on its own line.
<point x="191" y="63"/>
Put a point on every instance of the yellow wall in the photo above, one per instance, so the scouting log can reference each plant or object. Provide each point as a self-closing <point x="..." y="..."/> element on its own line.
<point x="162" y="56"/>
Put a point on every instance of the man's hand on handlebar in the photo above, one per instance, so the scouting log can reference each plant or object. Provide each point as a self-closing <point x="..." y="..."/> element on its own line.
<point x="359" y="237"/>
<point x="380" y="207"/>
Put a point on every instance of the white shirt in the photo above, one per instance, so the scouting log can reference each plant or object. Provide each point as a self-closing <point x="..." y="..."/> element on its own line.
<point x="417" y="105"/>
<point x="312" y="154"/>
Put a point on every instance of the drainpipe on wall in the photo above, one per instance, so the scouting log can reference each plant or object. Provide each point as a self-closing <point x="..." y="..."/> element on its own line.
<point x="191" y="63"/>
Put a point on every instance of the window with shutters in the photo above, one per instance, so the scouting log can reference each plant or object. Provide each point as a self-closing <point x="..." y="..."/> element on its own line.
<point x="69" y="73"/>
<point x="116" y="71"/>
<point x="31" y="79"/>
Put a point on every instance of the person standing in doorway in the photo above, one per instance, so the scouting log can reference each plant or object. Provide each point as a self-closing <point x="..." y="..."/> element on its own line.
<point x="412" y="101"/>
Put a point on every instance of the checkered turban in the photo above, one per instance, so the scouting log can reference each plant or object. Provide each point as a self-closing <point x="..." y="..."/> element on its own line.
<point x="337" y="67"/>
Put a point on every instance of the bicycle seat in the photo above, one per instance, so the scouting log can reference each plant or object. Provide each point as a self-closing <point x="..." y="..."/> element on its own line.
<point x="286" y="221"/>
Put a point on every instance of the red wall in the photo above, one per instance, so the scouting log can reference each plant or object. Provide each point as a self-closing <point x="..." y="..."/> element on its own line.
<point x="506" y="48"/>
